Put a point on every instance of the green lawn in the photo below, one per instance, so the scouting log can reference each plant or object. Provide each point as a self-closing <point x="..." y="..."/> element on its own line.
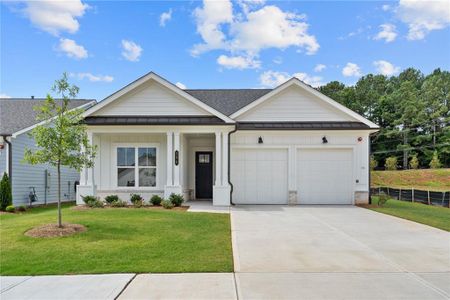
<point x="118" y="240"/>
<point x="435" y="216"/>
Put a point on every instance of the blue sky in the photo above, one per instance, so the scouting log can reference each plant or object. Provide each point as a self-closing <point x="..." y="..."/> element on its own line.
<point x="243" y="44"/>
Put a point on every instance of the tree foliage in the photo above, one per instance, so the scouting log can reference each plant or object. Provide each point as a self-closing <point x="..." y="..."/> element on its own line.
<point x="412" y="109"/>
<point x="5" y="192"/>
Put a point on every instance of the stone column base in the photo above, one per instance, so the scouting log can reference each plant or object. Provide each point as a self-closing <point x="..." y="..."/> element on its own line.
<point x="221" y="195"/>
<point x="292" y="198"/>
<point x="85" y="190"/>
<point x="361" y="197"/>
<point x="168" y="190"/>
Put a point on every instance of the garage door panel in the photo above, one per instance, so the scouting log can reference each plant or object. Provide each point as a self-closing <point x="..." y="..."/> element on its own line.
<point x="259" y="176"/>
<point x="324" y="176"/>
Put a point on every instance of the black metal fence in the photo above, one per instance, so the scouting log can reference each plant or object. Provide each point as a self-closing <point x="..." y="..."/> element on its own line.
<point x="412" y="195"/>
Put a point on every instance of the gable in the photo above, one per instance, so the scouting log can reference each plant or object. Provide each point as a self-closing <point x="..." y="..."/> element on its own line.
<point x="151" y="99"/>
<point x="294" y="104"/>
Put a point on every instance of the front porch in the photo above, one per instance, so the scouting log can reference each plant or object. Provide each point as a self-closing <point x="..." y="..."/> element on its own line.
<point x="149" y="160"/>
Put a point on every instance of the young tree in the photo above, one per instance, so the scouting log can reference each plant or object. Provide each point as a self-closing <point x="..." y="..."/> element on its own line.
<point x="5" y="192"/>
<point x="62" y="139"/>
<point x="435" y="162"/>
<point x="414" y="162"/>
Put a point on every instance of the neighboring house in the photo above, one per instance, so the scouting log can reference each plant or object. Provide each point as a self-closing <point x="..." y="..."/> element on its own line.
<point x="289" y="145"/>
<point x="17" y="119"/>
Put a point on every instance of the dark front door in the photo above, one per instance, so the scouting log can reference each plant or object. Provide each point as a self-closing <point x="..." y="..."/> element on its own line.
<point x="203" y="175"/>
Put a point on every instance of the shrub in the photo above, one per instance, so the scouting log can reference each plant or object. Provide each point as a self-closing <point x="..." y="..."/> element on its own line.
<point x="92" y="201"/>
<point x="21" y="208"/>
<point x="5" y="192"/>
<point x="10" y="208"/>
<point x="414" y="162"/>
<point x="137" y="200"/>
<point x="119" y="203"/>
<point x="382" y="199"/>
<point x="435" y="163"/>
<point x="111" y="198"/>
<point x="156" y="200"/>
<point x="391" y="163"/>
<point x="167" y="204"/>
<point x="373" y="163"/>
<point x="176" y="199"/>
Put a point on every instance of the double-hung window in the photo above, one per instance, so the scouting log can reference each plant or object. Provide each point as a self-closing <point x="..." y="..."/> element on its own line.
<point x="136" y="166"/>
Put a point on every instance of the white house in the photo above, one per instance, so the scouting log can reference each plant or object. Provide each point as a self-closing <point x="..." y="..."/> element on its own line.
<point x="289" y="145"/>
<point x="17" y="119"/>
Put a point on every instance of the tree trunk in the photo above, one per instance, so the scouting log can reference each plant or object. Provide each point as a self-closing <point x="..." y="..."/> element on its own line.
<point x="434" y="136"/>
<point x="59" y="196"/>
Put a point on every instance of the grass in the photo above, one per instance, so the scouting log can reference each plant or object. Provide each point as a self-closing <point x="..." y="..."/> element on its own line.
<point x="118" y="240"/>
<point x="430" y="179"/>
<point x="435" y="216"/>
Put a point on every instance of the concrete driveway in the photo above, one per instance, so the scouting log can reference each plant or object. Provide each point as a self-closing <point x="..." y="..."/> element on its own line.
<point x="336" y="252"/>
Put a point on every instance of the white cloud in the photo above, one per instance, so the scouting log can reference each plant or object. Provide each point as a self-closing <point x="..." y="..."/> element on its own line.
<point x="72" y="49"/>
<point x="386" y="7"/>
<point x="319" y="68"/>
<point x="4" y="96"/>
<point x="238" y="62"/>
<point x="131" y="51"/>
<point x="387" y="33"/>
<point x="351" y="69"/>
<point x="274" y="78"/>
<point x="248" y="32"/>
<point x="386" y="68"/>
<point x="94" y="78"/>
<point x="55" y="16"/>
<point x="165" y="17"/>
<point x="181" y="85"/>
<point x="423" y="17"/>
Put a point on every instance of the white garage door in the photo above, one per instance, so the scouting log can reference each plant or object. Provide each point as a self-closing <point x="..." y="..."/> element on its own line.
<point x="324" y="176"/>
<point x="259" y="176"/>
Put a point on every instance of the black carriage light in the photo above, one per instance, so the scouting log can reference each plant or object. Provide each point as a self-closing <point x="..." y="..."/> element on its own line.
<point x="260" y="140"/>
<point x="360" y="139"/>
<point x="324" y="140"/>
<point x="176" y="157"/>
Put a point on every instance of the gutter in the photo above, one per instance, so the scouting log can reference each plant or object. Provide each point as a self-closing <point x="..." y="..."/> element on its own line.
<point x="9" y="157"/>
<point x="229" y="163"/>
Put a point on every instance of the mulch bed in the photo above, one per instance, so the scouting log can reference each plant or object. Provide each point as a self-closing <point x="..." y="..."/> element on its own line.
<point x="84" y="207"/>
<point x="52" y="230"/>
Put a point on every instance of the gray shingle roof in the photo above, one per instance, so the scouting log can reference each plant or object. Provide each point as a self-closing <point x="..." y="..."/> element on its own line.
<point x="18" y="113"/>
<point x="228" y="101"/>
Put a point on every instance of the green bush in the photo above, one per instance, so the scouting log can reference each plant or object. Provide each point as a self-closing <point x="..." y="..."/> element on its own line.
<point x="156" y="200"/>
<point x="167" y="204"/>
<point x="391" y="163"/>
<point x="92" y="201"/>
<point x="5" y="192"/>
<point x="373" y="163"/>
<point x="435" y="163"/>
<point x="382" y="199"/>
<point x="111" y="198"/>
<point x="119" y="203"/>
<point x="10" y="208"/>
<point x="21" y="208"/>
<point x="176" y="199"/>
<point x="137" y="200"/>
<point x="414" y="162"/>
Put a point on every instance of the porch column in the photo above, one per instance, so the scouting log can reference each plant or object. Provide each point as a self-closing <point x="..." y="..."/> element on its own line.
<point x="87" y="182"/>
<point x="225" y="159"/>
<point x="176" y="171"/>
<point x="90" y="171"/>
<point x="169" y="158"/>
<point x="218" y="159"/>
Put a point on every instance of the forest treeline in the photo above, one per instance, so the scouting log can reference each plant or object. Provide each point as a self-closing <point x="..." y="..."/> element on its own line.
<point x="412" y="109"/>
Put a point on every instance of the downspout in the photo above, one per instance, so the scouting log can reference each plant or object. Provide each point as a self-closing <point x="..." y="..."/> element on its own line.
<point x="229" y="163"/>
<point x="9" y="157"/>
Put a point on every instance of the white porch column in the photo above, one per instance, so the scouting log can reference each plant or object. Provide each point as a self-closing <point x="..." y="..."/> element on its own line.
<point x="225" y="159"/>
<point x="218" y="159"/>
<point x="176" y="167"/>
<point x="87" y="182"/>
<point x="90" y="171"/>
<point x="169" y="158"/>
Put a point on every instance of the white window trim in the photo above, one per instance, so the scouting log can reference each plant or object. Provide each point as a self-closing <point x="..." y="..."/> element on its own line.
<point x="136" y="168"/>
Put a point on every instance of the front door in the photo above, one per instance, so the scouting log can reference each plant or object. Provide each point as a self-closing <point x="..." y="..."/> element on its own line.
<point x="203" y="175"/>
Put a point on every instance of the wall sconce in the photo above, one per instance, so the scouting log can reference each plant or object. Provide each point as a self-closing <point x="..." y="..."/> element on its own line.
<point x="360" y="139"/>
<point x="176" y="157"/>
<point x="260" y="140"/>
<point x="324" y="140"/>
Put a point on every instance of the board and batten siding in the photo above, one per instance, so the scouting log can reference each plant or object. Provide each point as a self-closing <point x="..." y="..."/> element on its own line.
<point x="25" y="175"/>
<point x="294" y="104"/>
<point x="151" y="99"/>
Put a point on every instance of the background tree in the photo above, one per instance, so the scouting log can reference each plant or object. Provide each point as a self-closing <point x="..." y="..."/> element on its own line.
<point x="5" y="192"/>
<point x="62" y="140"/>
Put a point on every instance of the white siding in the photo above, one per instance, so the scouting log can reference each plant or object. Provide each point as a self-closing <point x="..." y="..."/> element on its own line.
<point x="294" y="104"/>
<point x="25" y="175"/>
<point x="151" y="99"/>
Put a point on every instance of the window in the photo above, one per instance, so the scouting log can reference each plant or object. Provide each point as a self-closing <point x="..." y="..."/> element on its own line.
<point x="142" y="174"/>
<point x="203" y="158"/>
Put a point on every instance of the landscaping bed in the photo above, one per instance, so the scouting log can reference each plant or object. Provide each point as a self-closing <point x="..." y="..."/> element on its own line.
<point x="117" y="240"/>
